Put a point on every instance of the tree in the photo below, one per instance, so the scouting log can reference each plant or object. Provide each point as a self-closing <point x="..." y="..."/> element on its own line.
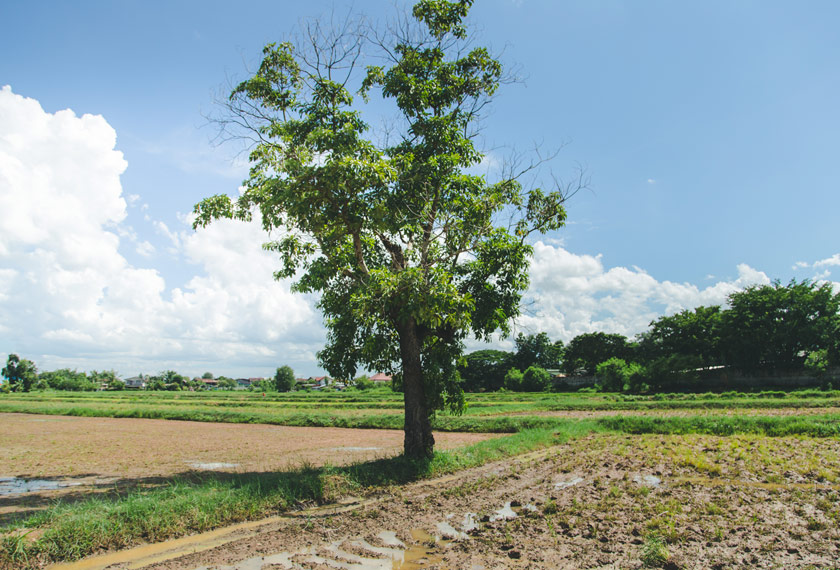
<point x="363" y="382"/>
<point x="588" y="350"/>
<point x="776" y="326"/>
<point x="484" y="370"/>
<point x="616" y="375"/>
<point x="66" y="379"/>
<point x="402" y="242"/>
<point x="207" y="376"/>
<point x="536" y="379"/>
<point x="167" y="380"/>
<point x="688" y="333"/>
<point x="537" y="350"/>
<point x="106" y="379"/>
<point x="226" y="383"/>
<point x="284" y="379"/>
<point x="513" y="380"/>
<point x="20" y="373"/>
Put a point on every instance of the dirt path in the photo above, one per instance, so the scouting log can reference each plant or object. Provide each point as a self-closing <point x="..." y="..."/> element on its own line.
<point x="605" y="501"/>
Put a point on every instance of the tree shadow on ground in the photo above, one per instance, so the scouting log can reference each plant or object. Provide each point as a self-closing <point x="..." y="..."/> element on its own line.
<point x="297" y="487"/>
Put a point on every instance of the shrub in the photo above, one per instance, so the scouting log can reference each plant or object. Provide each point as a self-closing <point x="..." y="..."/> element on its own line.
<point x="513" y="380"/>
<point x="616" y="375"/>
<point x="536" y="379"/>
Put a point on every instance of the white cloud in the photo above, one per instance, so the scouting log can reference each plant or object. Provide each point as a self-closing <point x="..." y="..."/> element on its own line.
<point x="833" y="260"/>
<point x="69" y="298"/>
<point x="572" y="294"/>
<point x="145" y="249"/>
<point x="651" y="181"/>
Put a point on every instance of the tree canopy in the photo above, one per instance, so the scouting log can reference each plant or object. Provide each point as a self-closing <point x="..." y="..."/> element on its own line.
<point x="586" y="351"/>
<point x="687" y="333"/>
<point x="20" y="373"/>
<point x="400" y="238"/>
<point x="284" y="379"/>
<point x="776" y="326"/>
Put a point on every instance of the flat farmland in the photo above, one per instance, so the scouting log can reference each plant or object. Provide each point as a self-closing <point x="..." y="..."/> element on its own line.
<point x="504" y="412"/>
<point x="54" y="447"/>
<point x="567" y="480"/>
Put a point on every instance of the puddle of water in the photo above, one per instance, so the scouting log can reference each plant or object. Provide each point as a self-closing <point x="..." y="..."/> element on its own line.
<point x="390" y="552"/>
<point x="530" y="508"/>
<point x="647" y="480"/>
<point x="569" y="483"/>
<point x="505" y="513"/>
<point x="420" y="555"/>
<point x="470" y="522"/>
<point x="212" y="466"/>
<point x="448" y="531"/>
<point x="15" y="485"/>
<point x="389" y="538"/>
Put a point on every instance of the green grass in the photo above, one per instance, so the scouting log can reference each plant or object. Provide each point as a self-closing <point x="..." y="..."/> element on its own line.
<point x="504" y="412"/>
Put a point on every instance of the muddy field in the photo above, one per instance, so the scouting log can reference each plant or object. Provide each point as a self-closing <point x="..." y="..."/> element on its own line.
<point x="604" y="501"/>
<point x="46" y="457"/>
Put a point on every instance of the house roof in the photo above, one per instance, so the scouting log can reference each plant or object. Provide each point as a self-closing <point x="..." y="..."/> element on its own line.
<point x="381" y="377"/>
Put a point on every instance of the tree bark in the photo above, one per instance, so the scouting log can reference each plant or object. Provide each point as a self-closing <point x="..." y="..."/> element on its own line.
<point x="419" y="441"/>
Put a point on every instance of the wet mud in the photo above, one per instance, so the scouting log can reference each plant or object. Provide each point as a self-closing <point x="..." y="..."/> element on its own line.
<point x="604" y="501"/>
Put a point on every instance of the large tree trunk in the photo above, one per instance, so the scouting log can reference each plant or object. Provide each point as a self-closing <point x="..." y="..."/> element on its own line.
<point x="419" y="441"/>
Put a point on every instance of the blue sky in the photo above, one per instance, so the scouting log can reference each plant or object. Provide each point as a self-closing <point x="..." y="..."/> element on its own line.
<point x="708" y="129"/>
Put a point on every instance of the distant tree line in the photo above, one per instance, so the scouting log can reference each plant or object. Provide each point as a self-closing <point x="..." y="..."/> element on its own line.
<point x="766" y="328"/>
<point x="22" y="375"/>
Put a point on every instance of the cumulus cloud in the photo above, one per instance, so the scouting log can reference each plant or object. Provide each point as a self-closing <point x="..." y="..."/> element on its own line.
<point x="68" y="297"/>
<point x="833" y="260"/>
<point x="572" y="294"/>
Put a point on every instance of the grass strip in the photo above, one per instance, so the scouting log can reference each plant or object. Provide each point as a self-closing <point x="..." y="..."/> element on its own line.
<point x="827" y="425"/>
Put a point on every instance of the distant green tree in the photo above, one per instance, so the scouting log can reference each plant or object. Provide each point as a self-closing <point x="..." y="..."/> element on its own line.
<point x="536" y="379"/>
<point x="816" y="362"/>
<point x="264" y="385"/>
<point x="173" y="381"/>
<point x="226" y="383"/>
<point x="616" y="375"/>
<point x="207" y="376"/>
<point x="513" y="380"/>
<point x="484" y="370"/>
<point x="284" y="379"/>
<point x="537" y="350"/>
<point x="777" y="326"/>
<point x="588" y="350"/>
<point x="107" y="379"/>
<point x="363" y="382"/>
<point x="20" y="373"/>
<point x="688" y="333"/>
<point x="66" y="379"/>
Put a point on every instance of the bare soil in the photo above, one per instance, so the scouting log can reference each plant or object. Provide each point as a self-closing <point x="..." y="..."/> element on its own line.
<point x="85" y="454"/>
<point x="604" y="501"/>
